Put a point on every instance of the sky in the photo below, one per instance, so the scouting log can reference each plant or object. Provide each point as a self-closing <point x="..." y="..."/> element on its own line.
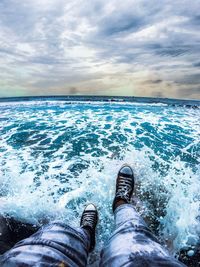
<point x="143" y="48"/>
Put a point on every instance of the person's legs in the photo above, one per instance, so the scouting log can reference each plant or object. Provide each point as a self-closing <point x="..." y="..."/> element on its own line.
<point x="132" y="243"/>
<point x="56" y="244"/>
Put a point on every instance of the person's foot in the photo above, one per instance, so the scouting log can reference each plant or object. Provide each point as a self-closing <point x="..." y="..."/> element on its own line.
<point x="124" y="186"/>
<point x="89" y="220"/>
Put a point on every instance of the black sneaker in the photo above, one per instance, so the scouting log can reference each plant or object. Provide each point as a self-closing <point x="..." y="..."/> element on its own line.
<point x="89" y="220"/>
<point x="124" y="185"/>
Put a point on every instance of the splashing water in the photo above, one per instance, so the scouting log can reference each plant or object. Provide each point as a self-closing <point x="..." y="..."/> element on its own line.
<point x="56" y="157"/>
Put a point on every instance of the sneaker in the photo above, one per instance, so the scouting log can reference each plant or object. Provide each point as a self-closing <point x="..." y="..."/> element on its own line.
<point x="124" y="185"/>
<point x="89" y="220"/>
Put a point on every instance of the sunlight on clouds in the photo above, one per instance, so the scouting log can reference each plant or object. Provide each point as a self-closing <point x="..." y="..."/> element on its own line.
<point x="158" y="30"/>
<point x="82" y="52"/>
<point x="26" y="48"/>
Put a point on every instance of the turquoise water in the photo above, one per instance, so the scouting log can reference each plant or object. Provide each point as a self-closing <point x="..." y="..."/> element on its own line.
<point x="56" y="157"/>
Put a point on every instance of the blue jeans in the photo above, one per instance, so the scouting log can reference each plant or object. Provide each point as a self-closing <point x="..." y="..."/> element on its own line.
<point x="57" y="244"/>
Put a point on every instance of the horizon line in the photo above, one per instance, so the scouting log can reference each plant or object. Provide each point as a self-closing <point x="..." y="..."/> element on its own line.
<point x="105" y="98"/>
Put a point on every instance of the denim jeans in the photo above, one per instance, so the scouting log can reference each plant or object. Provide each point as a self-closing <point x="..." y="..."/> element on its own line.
<point x="57" y="244"/>
<point x="133" y="244"/>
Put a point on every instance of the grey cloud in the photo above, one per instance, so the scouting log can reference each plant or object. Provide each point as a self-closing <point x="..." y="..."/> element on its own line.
<point x="190" y="93"/>
<point x="196" y="20"/>
<point x="172" y="51"/>
<point x="196" y="64"/>
<point x="157" y="81"/>
<point x="193" y="78"/>
<point x="122" y="25"/>
<point x="22" y="17"/>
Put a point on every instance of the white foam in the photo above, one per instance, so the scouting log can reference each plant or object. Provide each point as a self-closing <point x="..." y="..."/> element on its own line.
<point x="35" y="184"/>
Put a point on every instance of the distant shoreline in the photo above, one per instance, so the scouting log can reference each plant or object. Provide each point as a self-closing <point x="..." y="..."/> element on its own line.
<point x="150" y="100"/>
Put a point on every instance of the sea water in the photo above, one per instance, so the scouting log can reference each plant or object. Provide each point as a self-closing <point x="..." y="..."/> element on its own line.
<point x="55" y="157"/>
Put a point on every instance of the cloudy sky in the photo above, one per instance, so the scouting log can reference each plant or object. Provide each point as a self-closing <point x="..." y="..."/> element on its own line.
<point x="101" y="47"/>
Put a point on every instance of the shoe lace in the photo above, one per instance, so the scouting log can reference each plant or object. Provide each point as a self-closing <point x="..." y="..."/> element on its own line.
<point x="89" y="219"/>
<point x="124" y="188"/>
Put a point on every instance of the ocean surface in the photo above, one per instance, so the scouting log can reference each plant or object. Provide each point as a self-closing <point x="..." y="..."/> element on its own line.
<point x="56" y="156"/>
